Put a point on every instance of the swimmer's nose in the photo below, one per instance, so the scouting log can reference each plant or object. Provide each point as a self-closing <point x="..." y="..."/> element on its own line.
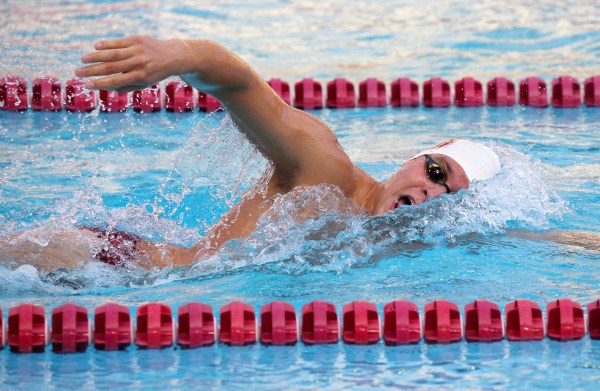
<point x="432" y="190"/>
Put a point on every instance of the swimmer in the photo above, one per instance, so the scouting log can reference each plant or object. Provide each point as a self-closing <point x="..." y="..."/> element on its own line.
<point x="302" y="149"/>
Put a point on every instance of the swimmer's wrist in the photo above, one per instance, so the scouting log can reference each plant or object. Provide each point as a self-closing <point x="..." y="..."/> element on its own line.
<point x="194" y="55"/>
<point x="180" y="57"/>
<point x="211" y="67"/>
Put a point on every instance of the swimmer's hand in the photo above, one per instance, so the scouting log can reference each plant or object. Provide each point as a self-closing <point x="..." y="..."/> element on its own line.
<point x="134" y="62"/>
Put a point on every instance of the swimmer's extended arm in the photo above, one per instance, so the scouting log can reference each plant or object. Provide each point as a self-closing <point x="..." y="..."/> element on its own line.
<point x="587" y="240"/>
<point x="302" y="148"/>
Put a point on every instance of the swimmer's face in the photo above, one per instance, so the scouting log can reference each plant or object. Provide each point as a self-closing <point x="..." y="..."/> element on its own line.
<point x="418" y="180"/>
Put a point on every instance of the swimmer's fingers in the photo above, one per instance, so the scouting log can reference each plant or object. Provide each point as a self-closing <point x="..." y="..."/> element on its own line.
<point x="134" y="61"/>
<point x="108" y="68"/>
<point x="119" y="43"/>
<point x="111" y="55"/>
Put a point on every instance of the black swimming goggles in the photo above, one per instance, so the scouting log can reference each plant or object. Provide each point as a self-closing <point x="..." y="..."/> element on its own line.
<point x="436" y="172"/>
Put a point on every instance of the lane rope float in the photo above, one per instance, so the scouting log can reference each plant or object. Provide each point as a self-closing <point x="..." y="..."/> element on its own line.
<point x="47" y="94"/>
<point x="195" y="325"/>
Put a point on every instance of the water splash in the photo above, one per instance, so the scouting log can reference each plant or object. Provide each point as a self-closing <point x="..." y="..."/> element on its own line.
<point x="201" y="164"/>
<point x="317" y="228"/>
<point x="309" y="229"/>
<point x="198" y="166"/>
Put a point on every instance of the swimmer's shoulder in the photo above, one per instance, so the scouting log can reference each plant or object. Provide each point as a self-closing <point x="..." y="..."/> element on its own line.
<point x="332" y="167"/>
<point x="316" y="156"/>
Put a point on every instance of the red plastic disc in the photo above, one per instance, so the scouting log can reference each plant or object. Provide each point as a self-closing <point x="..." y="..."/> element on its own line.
<point x="147" y="100"/>
<point x="308" y="94"/>
<point x="27" y="329"/>
<point x="278" y="324"/>
<point x="340" y="94"/>
<point x="179" y="97"/>
<point x="565" y="320"/>
<point x="401" y="323"/>
<point x="2" y="331"/>
<point x="436" y="93"/>
<point x="533" y="92"/>
<point x="282" y="89"/>
<point x="112" y="101"/>
<point x="197" y="326"/>
<point x="524" y="321"/>
<point x="483" y="322"/>
<point x="442" y="322"/>
<point x="361" y="324"/>
<point x="238" y="324"/>
<point x="501" y="92"/>
<point x="155" y="326"/>
<point x="113" y="329"/>
<point x="371" y="93"/>
<point x="468" y="92"/>
<point x="46" y="94"/>
<point x="71" y="331"/>
<point x="77" y="97"/>
<point x="320" y="324"/>
<point x="591" y="88"/>
<point x="593" y="310"/>
<point x="566" y="92"/>
<point x="13" y="93"/>
<point x="405" y="93"/>
<point x="208" y="103"/>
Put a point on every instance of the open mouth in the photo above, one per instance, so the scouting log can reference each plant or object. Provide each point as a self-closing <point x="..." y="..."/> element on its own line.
<point x="404" y="200"/>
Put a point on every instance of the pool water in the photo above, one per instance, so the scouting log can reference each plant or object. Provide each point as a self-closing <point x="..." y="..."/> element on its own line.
<point x="162" y="176"/>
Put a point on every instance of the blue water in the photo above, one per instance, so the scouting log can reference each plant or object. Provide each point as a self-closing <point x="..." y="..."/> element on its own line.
<point x="162" y="176"/>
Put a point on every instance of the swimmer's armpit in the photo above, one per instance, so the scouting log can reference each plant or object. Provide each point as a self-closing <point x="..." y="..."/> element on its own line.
<point x="587" y="240"/>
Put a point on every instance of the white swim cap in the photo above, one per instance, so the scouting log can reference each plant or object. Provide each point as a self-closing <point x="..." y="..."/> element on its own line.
<point x="478" y="161"/>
